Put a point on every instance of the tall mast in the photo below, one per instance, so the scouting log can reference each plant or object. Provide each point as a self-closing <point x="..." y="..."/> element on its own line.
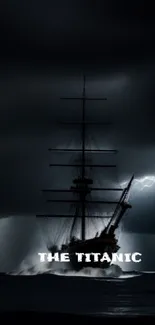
<point x="83" y="160"/>
<point x="121" y="207"/>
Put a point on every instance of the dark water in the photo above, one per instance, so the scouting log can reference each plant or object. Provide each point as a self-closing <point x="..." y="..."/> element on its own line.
<point x="130" y="296"/>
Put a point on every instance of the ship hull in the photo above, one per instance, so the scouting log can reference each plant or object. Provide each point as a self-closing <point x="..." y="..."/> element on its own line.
<point x="94" y="245"/>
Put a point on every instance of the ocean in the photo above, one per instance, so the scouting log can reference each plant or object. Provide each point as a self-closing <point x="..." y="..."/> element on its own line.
<point x="132" y="294"/>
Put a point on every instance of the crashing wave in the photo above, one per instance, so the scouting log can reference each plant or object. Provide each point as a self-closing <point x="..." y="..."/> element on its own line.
<point x="114" y="271"/>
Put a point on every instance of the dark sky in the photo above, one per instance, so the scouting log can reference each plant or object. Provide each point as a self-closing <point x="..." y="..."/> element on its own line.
<point x="45" y="48"/>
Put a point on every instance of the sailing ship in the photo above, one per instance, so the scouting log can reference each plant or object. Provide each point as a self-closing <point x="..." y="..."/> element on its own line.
<point x="82" y="187"/>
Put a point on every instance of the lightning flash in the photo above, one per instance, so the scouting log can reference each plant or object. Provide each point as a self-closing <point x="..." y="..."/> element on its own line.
<point x="142" y="183"/>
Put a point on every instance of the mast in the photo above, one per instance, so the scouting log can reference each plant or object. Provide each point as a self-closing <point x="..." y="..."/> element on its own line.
<point x="83" y="162"/>
<point x="120" y="210"/>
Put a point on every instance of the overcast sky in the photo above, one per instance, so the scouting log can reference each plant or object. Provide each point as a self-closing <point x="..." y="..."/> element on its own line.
<point x="45" y="48"/>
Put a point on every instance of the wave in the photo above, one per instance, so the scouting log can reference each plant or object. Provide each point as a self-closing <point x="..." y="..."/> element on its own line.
<point x="112" y="272"/>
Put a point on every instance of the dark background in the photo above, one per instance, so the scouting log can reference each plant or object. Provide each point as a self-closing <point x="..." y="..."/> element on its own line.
<point x="45" y="48"/>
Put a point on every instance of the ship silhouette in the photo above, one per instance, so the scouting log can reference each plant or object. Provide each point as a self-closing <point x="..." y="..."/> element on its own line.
<point x="82" y="188"/>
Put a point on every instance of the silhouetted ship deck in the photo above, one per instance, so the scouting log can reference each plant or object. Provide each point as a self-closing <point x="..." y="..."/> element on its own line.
<point x="82" y="187"/>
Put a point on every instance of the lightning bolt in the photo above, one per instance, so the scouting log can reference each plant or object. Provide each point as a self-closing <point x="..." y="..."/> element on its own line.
<point x="142" y="183"/>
